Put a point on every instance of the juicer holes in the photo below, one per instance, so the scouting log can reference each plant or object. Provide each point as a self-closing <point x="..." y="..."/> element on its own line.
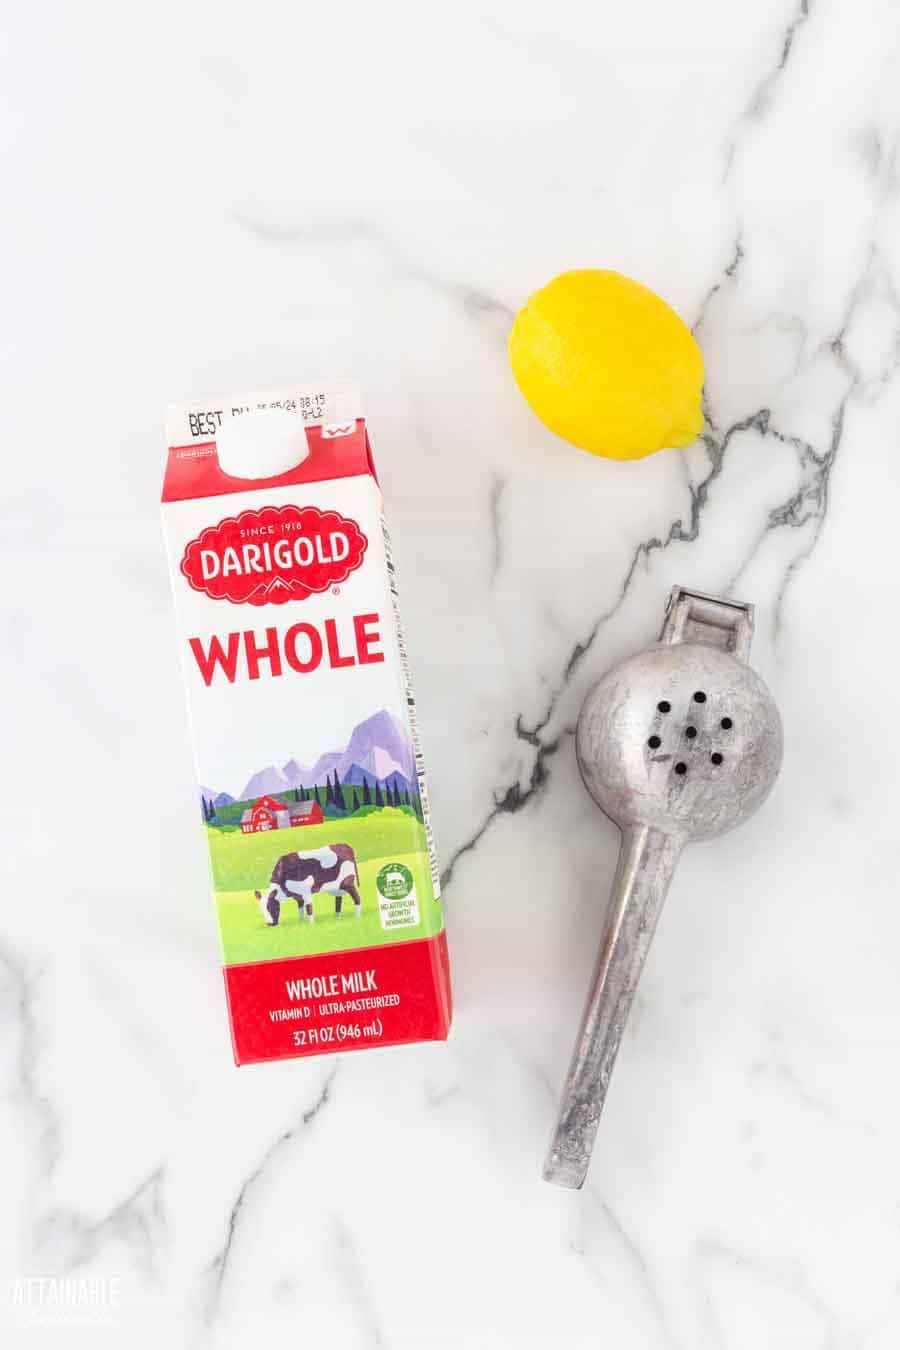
<point x="654" y="742"/>
<point x="664" y="707"/>
<point x="690" y="732"/>
<point x="716" y="758"/>
<point x="699" y="697"/>
<point x="680" y="767"/>
<point x="726" y="724"/>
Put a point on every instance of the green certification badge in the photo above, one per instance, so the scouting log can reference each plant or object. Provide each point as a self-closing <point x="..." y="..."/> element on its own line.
<point x="397" y="900"/>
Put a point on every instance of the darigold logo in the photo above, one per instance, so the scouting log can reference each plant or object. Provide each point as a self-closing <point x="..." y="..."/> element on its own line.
<point x="277" y="554"/>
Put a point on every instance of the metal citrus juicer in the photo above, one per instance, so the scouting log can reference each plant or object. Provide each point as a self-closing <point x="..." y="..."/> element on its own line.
<point x="680" y="742"/>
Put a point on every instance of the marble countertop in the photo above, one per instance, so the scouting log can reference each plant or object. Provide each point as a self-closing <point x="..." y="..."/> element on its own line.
<point x="205" y="197"/>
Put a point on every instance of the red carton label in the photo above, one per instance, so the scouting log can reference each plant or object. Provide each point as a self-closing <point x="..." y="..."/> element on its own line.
<point x="273" y="555"/>
<point x="316" y="1005"/>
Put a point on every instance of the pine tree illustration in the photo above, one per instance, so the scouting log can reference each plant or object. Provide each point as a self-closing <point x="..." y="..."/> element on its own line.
<point x="339" y="793"/>
<point x="329" y="792"/>
<point x="355" y="800"/>
<point x="367" y="796"/>
<point x="379" y="799"/>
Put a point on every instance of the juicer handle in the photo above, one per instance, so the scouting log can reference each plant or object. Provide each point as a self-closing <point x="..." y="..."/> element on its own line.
<point x="647" y="859"/>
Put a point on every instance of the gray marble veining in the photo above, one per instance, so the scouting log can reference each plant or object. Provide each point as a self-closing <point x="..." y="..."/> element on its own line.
<point x="203" y="198"/>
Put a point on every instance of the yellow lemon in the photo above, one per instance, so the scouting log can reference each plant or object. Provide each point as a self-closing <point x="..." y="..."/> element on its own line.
<point x="608" y="365"/>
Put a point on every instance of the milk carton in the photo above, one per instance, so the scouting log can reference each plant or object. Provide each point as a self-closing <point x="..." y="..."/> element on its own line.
<point x="312" y="793"/>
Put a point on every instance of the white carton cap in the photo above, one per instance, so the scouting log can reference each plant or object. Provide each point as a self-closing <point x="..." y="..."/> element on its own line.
<point x="261" y="443"/>
<point x="261" y="434"/>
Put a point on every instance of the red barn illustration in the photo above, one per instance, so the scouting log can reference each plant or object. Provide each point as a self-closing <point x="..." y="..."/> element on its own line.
<point x="271" y="813"/>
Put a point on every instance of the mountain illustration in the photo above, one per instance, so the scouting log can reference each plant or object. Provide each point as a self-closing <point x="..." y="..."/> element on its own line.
<point x="378" y="751"/>
<point x="297" y="775"/>
<point x="223" y="799"/>
<point x="325" y="764"/>
<point x="267" y="780"/>
<point x="356" y="776"/>
<point x="379" y="763"/>
<point x="379" y="743"/>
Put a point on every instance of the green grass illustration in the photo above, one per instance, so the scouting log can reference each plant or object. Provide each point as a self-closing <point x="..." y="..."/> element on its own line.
<point x="242" y="863"/>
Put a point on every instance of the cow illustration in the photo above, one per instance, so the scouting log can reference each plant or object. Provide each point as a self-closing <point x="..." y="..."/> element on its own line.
<point x="300" y="876"/>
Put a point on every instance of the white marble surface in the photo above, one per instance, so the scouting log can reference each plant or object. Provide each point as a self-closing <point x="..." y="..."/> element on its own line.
<point x="201" y="197"/>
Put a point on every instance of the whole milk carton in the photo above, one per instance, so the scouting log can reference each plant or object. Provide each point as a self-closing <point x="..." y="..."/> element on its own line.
<point x="312" y="791"/>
